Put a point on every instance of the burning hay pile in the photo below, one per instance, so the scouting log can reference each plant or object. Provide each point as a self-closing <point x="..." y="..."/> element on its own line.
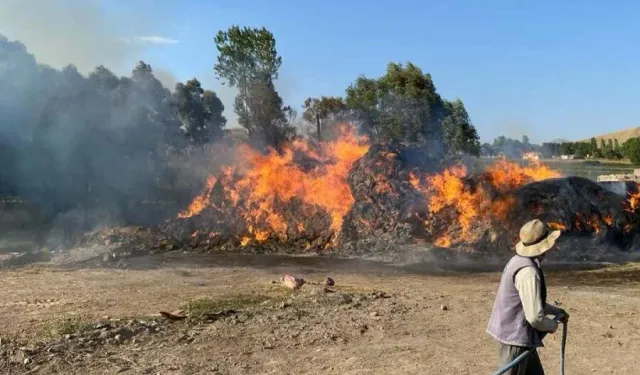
<point x="279" y="202"/>
<point x="351" y="197"/>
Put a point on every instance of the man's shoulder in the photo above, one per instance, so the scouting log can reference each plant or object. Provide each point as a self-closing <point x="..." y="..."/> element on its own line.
<point x="517" y="262"/>
<point x="526" y="271"/>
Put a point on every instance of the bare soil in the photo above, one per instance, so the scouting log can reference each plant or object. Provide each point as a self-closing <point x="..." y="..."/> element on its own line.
<point x="377" y="319"/>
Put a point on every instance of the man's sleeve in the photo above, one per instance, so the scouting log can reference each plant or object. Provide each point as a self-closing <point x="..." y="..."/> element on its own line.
<point x="527" y="283"/>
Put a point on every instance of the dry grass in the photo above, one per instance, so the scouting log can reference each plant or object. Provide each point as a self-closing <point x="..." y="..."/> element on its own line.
<point x="620" y="135"/>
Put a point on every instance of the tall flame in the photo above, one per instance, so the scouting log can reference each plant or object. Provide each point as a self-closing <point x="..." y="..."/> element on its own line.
<point x="260" y="185"/>
<point x="268" y="179"/>
<point x="201" y="201"/>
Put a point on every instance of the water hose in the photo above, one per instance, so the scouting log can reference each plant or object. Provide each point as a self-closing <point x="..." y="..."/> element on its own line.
<point x="563" y="346"/>
<point x="524" y="355"/>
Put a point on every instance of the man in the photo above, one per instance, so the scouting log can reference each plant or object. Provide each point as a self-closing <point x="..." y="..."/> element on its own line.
<point x="520" y="319"/>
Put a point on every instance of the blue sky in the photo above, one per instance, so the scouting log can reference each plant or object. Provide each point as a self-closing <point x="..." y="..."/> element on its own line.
<point x="561" y="69"/>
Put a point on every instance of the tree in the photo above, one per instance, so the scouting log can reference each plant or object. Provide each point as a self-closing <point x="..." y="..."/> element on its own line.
<point x="152" y="103"/>
<point x="566" y="148"/>
<point x="500" y="141"/>
<point x="603" y="145"/>
<point x="263" y="106"/>
<point x="459" y="133"/>
<point x="550" y="149"/>
<point x="403" y="105"/>
<point x="609" y="144"/>
<point x="319" y="110"/>
<point x="616" y="145"/>
<point x="525" y="140"/>
<point x="594" y="143"/>
<point x="199" y="111"/>
<point x="487" y="150"/>
<point x="248" y="60"/>
<point x="631" y="149"/>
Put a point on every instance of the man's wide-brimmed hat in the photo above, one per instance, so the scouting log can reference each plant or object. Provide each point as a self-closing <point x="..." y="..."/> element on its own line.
<point x="536" y="238"/>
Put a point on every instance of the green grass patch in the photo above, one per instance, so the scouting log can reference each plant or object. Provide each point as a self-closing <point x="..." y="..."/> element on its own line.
<point x="204" y="307"/>
<point x="70" y="325"/>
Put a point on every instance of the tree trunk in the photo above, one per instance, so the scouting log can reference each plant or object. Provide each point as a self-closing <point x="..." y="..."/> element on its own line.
<point x="318" y="126"/>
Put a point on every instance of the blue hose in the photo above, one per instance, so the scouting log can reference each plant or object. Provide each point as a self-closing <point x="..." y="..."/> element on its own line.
<point x="515" y="362"/>
<point x="524" y="355"/>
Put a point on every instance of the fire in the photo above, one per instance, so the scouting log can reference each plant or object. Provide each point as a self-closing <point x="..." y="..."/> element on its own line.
<point x="633" y="200"/>
<point x="556" y="226"/>
<point x="505" y="175"/>
<point x="448" y="190"/>
<point x="259" y="184"/>
<point x="201" y="201"/>
<point x="260" y="188"/>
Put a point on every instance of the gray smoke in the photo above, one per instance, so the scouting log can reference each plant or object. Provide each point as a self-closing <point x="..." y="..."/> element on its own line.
<point x="81" y="142"/>
<point x="85" y="149"/>
<point x="60" y="32"/>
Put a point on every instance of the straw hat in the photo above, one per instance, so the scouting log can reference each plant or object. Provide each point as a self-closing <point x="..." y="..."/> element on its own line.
<point x="535" y="239"/>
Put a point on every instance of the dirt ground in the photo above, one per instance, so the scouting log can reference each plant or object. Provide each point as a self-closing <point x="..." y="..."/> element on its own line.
<point x="376" y="320"/>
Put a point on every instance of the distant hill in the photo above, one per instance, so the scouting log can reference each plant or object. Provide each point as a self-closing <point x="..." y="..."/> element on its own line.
<point x="620" y="135"/>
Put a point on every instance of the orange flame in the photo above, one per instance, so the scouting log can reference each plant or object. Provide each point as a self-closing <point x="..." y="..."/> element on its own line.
<point x="556" y="226"/>
<point x="258" y="185"/>
<point x="505" y="175"/>
<point x="201" y="201"/>
<point x="448" y="189"/>
<point x="633" y="200"/>
<point x="266" y="180"/>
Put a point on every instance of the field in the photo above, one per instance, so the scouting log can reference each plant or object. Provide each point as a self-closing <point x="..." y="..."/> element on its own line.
<point x="83" y="311"/>
<point x="378" y="319"/>
<point x="583" y="168"/>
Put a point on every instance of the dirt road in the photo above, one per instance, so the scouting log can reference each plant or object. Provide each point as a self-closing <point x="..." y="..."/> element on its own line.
<point x="377" y="319"/>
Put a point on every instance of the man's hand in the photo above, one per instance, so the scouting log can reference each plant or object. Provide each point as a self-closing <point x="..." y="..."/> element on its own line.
<point x="563" y="316"/>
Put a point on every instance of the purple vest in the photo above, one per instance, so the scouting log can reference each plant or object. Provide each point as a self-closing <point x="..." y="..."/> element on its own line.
<point x="507" y="323"/>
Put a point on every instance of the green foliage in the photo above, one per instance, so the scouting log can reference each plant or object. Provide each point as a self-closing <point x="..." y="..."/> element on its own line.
<point x="399" y="105"/>
<point x="321" y="109"/>
<point x="248" y="60"/>
<point x="510" y="147"/>
<point x="199" y="111"/>
<point x="607" y="149"/>
<point x="200" y="309"/>
<point x="459" y="134"/>
<point x="246" y="54"/>
<point x="260" y="110"/>
<point x="403" y="105"/>
<point x="70" y="326"/>
<point x="631" y="149"/>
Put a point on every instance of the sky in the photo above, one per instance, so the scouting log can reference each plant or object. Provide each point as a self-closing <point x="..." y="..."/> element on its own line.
<point x="550" y="70"/>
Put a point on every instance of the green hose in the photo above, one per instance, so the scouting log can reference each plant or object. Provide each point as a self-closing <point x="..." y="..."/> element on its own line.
<point x="524" y="355"/>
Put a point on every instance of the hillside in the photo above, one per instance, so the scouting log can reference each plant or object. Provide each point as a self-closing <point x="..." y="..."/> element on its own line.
<point x="620" y="135"/>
